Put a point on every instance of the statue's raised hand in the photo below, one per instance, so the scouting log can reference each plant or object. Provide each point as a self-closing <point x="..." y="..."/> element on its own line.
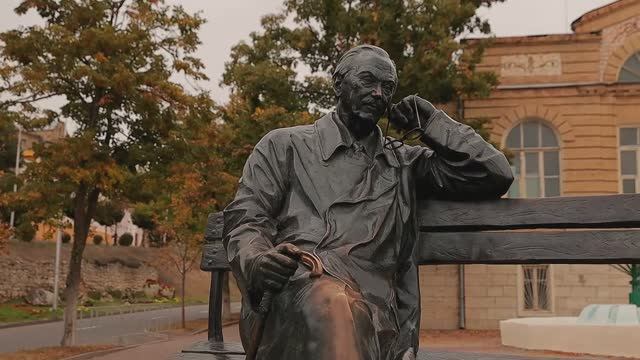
<point x="273" y="268"/>
<point x="411" y="112"/>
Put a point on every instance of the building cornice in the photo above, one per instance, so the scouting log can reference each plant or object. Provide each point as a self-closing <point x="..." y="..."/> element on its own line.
<point x="536" y="39"/>
<point x="599" y="12"/>
<point x="585" y="88"/>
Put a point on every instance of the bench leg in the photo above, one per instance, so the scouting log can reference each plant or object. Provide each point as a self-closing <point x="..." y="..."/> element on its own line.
<point x="215" y="306"/>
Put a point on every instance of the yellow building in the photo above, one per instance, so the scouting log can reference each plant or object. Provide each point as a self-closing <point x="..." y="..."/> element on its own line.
<point x="568" y="108"/>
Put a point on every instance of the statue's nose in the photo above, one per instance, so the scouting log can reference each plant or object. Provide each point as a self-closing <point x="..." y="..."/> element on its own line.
<point x="377" y="90"/>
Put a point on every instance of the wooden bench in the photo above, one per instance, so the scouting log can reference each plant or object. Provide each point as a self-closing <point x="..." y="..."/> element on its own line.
<point x="564" y="230"/>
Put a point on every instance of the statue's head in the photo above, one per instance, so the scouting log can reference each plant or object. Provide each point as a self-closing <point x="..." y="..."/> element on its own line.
<point x="364" y="82"/>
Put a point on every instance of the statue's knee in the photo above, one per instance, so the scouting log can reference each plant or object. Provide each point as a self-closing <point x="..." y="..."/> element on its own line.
<point x="328" y="300"/>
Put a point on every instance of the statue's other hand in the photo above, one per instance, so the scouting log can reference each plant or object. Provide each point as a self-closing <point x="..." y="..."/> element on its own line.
<point x="409" y="355"/>
<point x="274" y="267"/>
<point x="403" y="115"/>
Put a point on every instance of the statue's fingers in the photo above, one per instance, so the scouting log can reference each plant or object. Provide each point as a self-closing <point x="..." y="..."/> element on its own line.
<point x="289" y="249"/>
<point x="273" y="285"/>
<point x="280" y="269"/>
<point x="397" y="118"/>
<point x="276" y="276"/>
<point x="284" y="261"/>
<point x="407" y="106"/>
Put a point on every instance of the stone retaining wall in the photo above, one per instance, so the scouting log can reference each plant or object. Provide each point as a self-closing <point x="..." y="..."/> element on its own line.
<point x="20" y="275"/>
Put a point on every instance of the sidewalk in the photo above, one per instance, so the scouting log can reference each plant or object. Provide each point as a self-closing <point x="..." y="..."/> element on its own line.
<point x="165" y="350"/>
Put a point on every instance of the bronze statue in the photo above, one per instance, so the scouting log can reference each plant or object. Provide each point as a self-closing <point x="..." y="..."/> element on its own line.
<point x="341" y="191"/>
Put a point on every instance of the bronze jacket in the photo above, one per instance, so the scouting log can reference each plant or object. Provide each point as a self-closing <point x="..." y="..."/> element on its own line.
<point x="314" y="187"/>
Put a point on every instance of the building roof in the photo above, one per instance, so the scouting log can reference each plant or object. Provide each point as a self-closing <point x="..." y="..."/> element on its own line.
<point x="547" y="38"/>
<point x="601" y="11"/>
<point x="579" y="34"/>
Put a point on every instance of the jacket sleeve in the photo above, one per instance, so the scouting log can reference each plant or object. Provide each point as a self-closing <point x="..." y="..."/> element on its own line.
<point x="458" y="163"/>
<point x="250" y="219"/>
<point x="408" y="298"/>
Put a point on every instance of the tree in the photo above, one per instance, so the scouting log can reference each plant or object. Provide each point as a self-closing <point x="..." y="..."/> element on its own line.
<point x="420" y="36"/>
<point x="110" y="213"/>
<point x="182" y="213"/>
<point x="126" y="239"/>
<point x="190" y="187"/>
<point x="110" y="63"/>
<point x="8" y="142"/>
<point x="142" y="217"/>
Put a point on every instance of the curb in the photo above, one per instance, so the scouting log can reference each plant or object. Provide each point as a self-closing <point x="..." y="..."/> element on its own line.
<point x="28" y="323"/>
<point x="91" y="355"/>
<point x="39" y="322"/>
<point x="224" y="324"/>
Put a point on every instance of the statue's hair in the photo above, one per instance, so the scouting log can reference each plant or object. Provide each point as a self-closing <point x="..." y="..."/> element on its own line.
<point x="345" y="64"/>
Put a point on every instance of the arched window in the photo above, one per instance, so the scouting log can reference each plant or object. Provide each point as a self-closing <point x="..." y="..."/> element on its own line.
<point x="630" y="71"/>
<point x="536" y="160"/>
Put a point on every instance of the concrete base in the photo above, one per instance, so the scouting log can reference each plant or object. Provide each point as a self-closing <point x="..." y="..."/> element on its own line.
<point x="567" y="335"/>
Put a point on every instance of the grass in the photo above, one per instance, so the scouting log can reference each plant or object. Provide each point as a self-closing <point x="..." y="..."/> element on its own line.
<point x="12" y="312"/>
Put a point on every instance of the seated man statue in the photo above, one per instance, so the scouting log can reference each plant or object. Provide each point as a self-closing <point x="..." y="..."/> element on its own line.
<point x="342" y="191"/>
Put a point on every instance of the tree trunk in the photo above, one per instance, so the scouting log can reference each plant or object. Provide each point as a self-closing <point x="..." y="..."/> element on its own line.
<point x="184" y="281"/>
<point x="115" y="234"/>
<point x="84" y="209"/>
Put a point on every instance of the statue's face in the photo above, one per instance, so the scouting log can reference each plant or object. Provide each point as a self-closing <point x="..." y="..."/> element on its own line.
<point x="366" y="91"/>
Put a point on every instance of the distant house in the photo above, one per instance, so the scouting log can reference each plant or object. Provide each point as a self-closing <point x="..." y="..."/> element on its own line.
<point x="43" y="136"/>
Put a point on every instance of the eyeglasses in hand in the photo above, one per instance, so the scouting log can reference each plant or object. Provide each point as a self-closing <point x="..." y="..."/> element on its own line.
<point x="412" y="134"/>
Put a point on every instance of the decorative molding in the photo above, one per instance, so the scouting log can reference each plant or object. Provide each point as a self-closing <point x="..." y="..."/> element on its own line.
<point x="531" y="65"/>
<point x="511" y="117"/>
<point x="621" y="50"/>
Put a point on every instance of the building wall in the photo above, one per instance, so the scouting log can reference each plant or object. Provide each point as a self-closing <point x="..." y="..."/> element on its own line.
<point x="439" y="297"/>
<point x="569" y="83"/>
<point x="490" y="295"/>
<point x="566" y="58"/>
<point x="577" y="286"/>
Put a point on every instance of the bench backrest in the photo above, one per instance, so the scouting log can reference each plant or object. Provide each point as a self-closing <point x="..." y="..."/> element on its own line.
<point x="568" y="230"/>
<point x="588" y="230"/>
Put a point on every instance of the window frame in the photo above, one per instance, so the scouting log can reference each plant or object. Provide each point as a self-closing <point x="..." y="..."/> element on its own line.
<point x="621" y="148"/>
<point x="521" y="311"/>
<point x="624" y="67"/>
<point x="539" y="150"/>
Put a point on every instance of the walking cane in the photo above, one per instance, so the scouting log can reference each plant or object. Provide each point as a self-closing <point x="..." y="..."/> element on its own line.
<point x="314" y="264"/>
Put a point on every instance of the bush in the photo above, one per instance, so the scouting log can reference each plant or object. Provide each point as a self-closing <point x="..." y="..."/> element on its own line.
<point x="125" y="240"/>
<point x="97" y="239"/>
<point x="66" y="238"/>
<point x="94" y="295"/>
<point x="25" y="231"/>
<point x="115" y="293"/>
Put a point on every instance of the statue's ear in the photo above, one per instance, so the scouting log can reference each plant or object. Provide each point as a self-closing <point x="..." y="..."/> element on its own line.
<point x="337" y="86"/>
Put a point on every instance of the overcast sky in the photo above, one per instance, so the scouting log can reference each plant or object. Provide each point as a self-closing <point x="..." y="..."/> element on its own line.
<point x="230" y="21"/>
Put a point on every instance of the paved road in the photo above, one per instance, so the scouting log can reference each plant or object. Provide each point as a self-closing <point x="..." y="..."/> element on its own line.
<point x="117" y="329"/>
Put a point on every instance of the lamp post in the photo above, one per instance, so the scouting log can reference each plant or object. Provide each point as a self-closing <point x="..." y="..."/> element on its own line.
<point x="56" y="270"/>
<point x="15" y="186"/>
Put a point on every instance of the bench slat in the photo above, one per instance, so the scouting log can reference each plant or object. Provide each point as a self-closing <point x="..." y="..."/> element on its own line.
<point x="548" y="247"/>
<point x="611" y="211"/>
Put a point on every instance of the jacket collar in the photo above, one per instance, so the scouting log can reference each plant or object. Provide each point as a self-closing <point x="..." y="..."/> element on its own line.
<point x="333" y="135"/>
